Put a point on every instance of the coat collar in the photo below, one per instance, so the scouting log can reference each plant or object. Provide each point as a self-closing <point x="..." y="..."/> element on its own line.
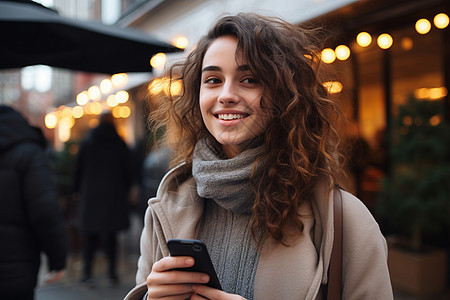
<point x="177" y="209"/>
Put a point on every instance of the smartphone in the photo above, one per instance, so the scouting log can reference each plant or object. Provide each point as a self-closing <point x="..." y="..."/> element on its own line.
<point x="197" y="250"/>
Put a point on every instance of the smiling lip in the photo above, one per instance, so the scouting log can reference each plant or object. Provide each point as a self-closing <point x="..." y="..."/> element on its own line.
<point x="231" y="117"/>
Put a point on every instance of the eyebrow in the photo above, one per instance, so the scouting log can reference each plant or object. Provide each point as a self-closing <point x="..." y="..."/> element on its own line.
<point x="211" y="68"/>
<point x="240" y="68"/>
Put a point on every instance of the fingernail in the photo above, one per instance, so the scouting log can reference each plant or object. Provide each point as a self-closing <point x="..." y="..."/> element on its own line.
<point x="189" y="261"/>
<point x="205" y="278"/>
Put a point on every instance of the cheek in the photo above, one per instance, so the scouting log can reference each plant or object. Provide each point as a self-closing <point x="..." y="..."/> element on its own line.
<point x="261" y="125"/>
<point x="261" y="113"/>
<point x="262" y="120"/>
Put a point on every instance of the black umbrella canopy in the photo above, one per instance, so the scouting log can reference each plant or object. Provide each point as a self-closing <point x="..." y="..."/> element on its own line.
<point x="32" y="34"/>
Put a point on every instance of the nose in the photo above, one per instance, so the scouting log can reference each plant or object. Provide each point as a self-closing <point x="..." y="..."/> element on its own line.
<point x="228" y="94"/>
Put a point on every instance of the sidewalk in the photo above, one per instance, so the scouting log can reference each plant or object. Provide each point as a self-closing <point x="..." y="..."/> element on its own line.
<point x="70" y="288"/>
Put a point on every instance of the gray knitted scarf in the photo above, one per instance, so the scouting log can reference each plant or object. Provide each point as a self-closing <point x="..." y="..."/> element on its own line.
<point x="226" y="180"/>
<point x="225" y="185"/>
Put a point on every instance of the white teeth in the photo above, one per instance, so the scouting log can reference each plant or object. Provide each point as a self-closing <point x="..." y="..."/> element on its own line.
<point x="230" y="116"/>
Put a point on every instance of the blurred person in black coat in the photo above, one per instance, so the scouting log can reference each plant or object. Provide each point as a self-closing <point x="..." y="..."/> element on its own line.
<point x="102" y="183"/>
<point x="31" y="219"/>
<point x="155" y="166"/>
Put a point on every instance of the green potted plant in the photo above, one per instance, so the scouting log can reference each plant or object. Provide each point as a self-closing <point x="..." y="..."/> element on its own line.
<point x="415" y="198"/>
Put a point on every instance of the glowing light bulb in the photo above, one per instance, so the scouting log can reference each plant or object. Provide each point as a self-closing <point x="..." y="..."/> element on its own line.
<point x="342" y="52"/>
<point x="181" y="42"/>
<point x="423" y="26"/>
<point x="364" y="39"/>
<point x="175" y="88"/>
<point x="94" y="92"/>
<point x="333" y="87"/>
<point x="77" y="112"/>
<point x="407" y="43"/>
<point x="111" y="101"/>
<point x="385" y="41"/>
<point x="67" y="112"/>
<point x="51" y="120"/>
<point x="328" y="55"/>
<point x="124" y="112"/>
<point x="105" y="86"/>
<point x="155" y="86"/>
<point x="83" y="98"/>
<point x="119" y="79"/>
<point x="158" y="60"/>
<point x="441" y="21"/>
<point x="435" y="120"/>
<point x="116" y="112"/>
<point x="122" y="96"/>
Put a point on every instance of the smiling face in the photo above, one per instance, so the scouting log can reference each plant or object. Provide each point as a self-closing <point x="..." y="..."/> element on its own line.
<point x="230" y="97"/>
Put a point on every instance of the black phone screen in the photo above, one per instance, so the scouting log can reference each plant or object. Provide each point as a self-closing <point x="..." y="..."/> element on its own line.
<point x="197" y="250"/>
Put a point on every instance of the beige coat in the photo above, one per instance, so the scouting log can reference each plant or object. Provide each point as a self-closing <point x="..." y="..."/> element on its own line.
<point x="176" y="211"/>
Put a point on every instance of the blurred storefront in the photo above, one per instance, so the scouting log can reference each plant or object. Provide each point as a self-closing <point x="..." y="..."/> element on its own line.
<point x="398" y="50"/>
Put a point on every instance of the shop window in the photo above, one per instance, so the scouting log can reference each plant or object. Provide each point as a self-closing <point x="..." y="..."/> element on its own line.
<point x="417" y="66"/>
<point x="412" y="66"/>
<point x="363" y="101"/>
<point x="371" y="98"/>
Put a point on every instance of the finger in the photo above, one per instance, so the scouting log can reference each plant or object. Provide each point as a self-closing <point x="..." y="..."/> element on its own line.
<point x="172" y="283"/>
<point x="206" y="291"/>
<point x="197" y="297"/>
<point x="176" y="277"/>
<point x="172" y="262"/>
<point x="155" y="294"/>
<point x="212" y="293"/>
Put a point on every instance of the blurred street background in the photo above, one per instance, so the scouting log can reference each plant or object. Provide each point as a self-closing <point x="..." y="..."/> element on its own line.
<point x="63" y="62"/>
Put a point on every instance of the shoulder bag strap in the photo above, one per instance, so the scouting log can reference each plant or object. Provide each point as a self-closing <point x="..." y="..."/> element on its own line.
<point x="334" y="291"/>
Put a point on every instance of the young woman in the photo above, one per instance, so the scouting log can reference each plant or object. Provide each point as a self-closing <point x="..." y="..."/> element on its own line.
<point x="255" y="134"/>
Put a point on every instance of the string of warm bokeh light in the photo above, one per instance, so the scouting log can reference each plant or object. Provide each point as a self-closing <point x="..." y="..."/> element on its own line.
<point x="385" y="41"/>
<point x="163" y="85"/>
<point x="91" y="102"/>
<point x="107" y="95"/>
<point x="430" y="93"/>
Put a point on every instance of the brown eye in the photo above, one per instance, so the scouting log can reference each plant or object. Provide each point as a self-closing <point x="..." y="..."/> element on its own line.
<point x="213" y="80"/>
<point x="250" y="80"/>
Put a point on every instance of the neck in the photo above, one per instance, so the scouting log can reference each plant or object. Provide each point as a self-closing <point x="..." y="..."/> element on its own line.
<point x="232" y="151"/>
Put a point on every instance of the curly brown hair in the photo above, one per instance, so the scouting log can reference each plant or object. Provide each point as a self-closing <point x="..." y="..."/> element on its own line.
<point x="301" y="139"/>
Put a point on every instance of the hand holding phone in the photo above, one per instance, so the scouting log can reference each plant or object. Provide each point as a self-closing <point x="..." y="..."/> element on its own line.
<point x="197" y="250"/>
<point x="163" y="283"/>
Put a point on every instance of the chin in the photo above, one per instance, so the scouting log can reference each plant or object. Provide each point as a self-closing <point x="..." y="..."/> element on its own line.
<point x="231" y="141"/>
